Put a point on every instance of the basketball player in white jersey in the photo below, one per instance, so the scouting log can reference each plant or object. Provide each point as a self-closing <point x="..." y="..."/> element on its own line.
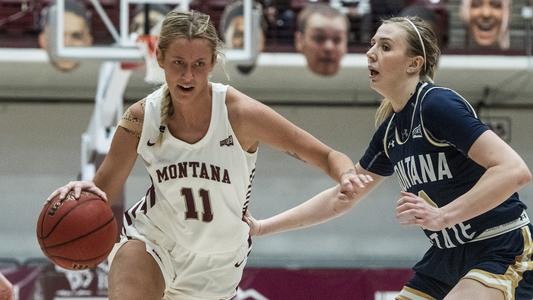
<point x="186" y="239"/>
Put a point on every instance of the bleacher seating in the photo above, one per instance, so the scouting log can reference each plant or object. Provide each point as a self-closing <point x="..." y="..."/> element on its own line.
<point x="19" y="23"/>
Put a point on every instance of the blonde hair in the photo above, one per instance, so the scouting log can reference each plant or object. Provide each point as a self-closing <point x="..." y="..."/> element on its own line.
<point x="421" y="41"/>
<point x="504" y="36"/>
<point x="189" y="25"/>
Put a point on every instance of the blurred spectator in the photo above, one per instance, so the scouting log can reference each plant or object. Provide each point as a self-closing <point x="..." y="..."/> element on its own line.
<point x="322" y="37"/>
<point x="383" y="9"/>
<point x="76" y="32"/>
<point x="426" y="14"/>
<point x="419" y="10"/>
<point x="232" y="29"/>
<point x="6" y="289"/>
<point x="351" y="7"/>
<point x="487" y="22"/>
<point x="281" y="18"/>
<point x="232" y="26"/>
<point x="358" y="12"/>
<point x="156" y="14"/>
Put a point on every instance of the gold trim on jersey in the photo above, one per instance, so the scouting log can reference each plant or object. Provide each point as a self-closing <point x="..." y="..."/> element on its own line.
<point x="508" y="282"/>
<point x="396" y="135"/>
<point x="503" y="228"/>
<point x="426" y="198"/>
<point x="428" y="136"/>
<point x="408" y="293"/>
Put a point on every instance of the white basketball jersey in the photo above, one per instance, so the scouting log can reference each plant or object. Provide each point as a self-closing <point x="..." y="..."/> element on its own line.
<point x="199" y="190"/>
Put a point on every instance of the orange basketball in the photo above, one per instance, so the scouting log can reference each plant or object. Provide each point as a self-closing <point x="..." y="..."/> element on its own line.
<point x="77" y="234"/>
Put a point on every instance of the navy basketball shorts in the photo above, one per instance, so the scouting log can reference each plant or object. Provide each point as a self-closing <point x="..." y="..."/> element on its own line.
<point x="502" y="262"/>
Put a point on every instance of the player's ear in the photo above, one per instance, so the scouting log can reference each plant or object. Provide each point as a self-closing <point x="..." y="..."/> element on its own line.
<point x="415" y="65"/>
<point x="298" y="41"/>
<point x="43" y="39"/>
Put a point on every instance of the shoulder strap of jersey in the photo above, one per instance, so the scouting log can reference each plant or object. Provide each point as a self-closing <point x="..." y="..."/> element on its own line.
<point x="427" y="134"/>
<point x="152" y="116"/>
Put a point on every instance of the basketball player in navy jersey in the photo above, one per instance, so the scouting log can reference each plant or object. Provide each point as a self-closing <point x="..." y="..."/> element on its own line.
<point x="186" y="239"/>
<point x="458" y="179"/>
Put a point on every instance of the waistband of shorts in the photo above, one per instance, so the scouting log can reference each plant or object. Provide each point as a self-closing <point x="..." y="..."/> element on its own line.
<point x="519" y="222"/>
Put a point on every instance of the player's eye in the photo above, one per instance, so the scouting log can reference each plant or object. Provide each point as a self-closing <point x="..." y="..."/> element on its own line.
<point x="319" y="38"/>
<point x="496" y="3"/>
<point x="76" y="35"/>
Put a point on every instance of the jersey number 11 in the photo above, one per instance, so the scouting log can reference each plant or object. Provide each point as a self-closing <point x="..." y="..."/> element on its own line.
<point x="192" y="213"/>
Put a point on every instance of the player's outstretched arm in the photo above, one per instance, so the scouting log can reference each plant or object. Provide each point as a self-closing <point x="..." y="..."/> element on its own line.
<point x="257" y="123"/>
<point x="322" y="207"/>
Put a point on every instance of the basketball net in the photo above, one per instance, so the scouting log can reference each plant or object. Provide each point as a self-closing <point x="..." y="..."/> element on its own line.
<point x="147" y="43"/>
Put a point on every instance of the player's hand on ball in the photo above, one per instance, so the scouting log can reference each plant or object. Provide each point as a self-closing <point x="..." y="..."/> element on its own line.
<point x="78" y="233"/>
<point x="77" y="187"/>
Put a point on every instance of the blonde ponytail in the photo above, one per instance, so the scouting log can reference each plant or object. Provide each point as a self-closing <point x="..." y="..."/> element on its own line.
<point x="383" y="112"/>
<point x="166" y="110"/>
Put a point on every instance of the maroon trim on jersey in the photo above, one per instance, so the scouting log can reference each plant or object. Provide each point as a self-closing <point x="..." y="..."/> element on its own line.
<point x="249" y="245"/>
<point x="128" y="218"/>
<point x="141" y="206"/>
<point x="133" y="210"/>
<point x="248" y="194"/>
<point x="151" y="191"/>
<point x="153" y="250"/>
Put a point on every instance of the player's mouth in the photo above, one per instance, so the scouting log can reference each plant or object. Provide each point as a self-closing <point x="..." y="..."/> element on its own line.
<point x="486" y="25"/>
<point x="486" y="29"/>
<point x="372" y="72"/>
<point x="485" y="32"/>
<point x="186" y="88"/>
<point x="327" y="60"/>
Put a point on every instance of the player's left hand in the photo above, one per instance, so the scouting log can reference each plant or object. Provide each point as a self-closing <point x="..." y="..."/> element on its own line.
<point x="413" y="210"/>
<point x="255" y="225"/>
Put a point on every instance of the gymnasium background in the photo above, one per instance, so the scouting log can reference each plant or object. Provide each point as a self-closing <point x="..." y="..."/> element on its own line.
<point x="362" y="255"/>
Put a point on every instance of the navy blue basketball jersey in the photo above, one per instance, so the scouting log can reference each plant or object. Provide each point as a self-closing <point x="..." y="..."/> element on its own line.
<point x="426" y="145"/>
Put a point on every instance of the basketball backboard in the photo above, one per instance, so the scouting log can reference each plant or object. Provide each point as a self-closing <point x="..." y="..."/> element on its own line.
<point x="125" y="48"/>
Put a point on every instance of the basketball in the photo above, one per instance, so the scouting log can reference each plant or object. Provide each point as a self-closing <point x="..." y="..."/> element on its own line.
<point x="77" y="234"/>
